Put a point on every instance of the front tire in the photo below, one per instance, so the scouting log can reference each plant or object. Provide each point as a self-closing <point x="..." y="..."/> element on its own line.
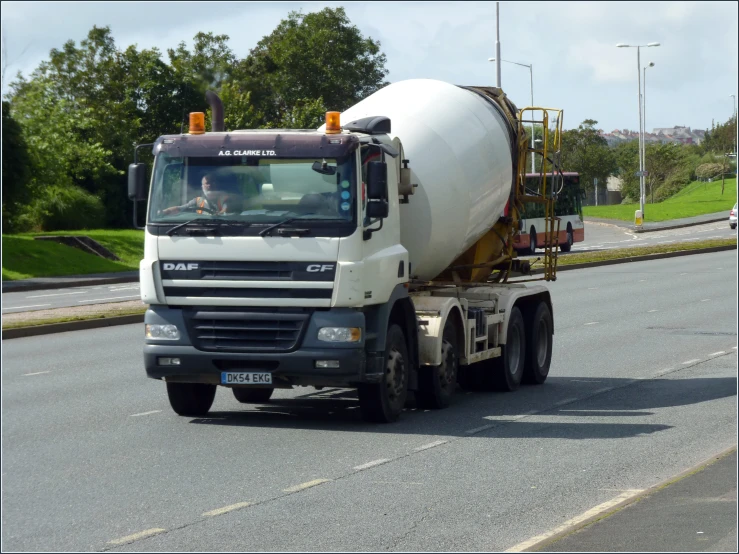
<point x="538" y="346"/>
<point x="532" y="241"/>
<point x="437" y="384"/>
<point x="252" y="396"/>
<point x="382" y="402"/>
<point x="567" y="246"/>
<point x="191" y="399"/>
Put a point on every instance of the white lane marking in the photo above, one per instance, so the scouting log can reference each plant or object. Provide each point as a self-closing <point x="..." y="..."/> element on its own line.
<point x="57" y="294"/>
<point x="227" y="509"/>
<point x="734" y="347"/>
<point x="591" y="323"/>
<point x="373" y="463"/>
<point x="429" y="445"/>
<point x="478" y="429"/>
<point x="652" y="311"/>
<point x="642" y="280"/>
<point x="31" y="306"/>
<point x="145" y="413"/>
<point x="601" y="391"/>
<point x="705" y="300"/>
<point x="307" y="485"/>
<point x="683" y="274"/>
<point x="124" y="288"/>
<point x="592" y="288"/>
<point x="563" y="402"/>
<point x="690" y="361"/>
<point x="520" y="547"/>
<point x="112" y="298"/>
<point x="717" y="353"/>
<point x="37" y="373"/>
<point x="136" y="536"/>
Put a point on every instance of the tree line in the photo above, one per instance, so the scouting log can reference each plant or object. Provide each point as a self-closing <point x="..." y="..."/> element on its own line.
<point x="70" y="127"/>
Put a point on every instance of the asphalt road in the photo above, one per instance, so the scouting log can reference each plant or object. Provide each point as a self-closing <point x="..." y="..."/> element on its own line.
<point x="31" y="301"/>
<point x="642" y="386"/>
<point x="602" y="236"/>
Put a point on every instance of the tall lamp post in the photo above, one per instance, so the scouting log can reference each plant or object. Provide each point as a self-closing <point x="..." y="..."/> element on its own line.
<point x="736" y="139"/>
<point x="638" y="75"/>
<point x="644" y="134"/>
<point x="531" y="77"/>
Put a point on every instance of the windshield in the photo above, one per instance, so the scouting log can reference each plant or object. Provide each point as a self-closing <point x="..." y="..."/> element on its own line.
<point x="253" y="190"/>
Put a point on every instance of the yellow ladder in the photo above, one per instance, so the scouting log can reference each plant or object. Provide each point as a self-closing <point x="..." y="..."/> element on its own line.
<point x="549" y="153"/>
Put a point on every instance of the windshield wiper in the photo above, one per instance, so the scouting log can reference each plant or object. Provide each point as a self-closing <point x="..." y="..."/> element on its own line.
<point x="276" y="225"/>
<point x="181" y="225"/>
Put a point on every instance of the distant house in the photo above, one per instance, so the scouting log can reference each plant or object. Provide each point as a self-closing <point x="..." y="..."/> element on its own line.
<point x="663" y="135"/>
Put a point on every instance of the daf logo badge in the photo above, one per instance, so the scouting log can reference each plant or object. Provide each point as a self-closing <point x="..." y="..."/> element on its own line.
<point x="179" y="267"/>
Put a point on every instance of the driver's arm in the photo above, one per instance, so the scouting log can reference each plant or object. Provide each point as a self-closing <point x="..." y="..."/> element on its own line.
<point x="176" y="209"/>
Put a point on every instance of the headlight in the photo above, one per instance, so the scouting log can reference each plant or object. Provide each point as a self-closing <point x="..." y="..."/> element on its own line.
<point x="162" y="332"/>
<point x="340" y="334"/>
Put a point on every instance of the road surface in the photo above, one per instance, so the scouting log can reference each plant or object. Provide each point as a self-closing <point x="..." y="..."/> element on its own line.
<point x="642" y="386"/>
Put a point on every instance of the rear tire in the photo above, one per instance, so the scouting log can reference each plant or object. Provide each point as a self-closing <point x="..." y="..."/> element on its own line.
<point x="437" y="384"/>
<point x="732" y="225"/>
<point x="567" y="246"/>
<point x="382" y="402"/>
<point x="505" y="373"/>
<point x="538" y="346"/>
<point x="252" y="396"/>
<point x="191" y="399"/>
<point x="532" y="241"/>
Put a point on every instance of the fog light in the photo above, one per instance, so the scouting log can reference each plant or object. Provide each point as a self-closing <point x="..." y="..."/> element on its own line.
<point x="162" y="332"/>
<point x="340" y="334"/>
<point x="327" y="364"/>
<point x="168" y="361"/>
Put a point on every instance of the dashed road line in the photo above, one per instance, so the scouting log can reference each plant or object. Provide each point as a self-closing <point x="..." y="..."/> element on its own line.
<point x="591" y="323"/>
<point x="36" y="373"/>
<point x="565" y="401"/>
<point x="307" y="485"/>
<point x="691" y="361"/>
<point x="31" y="306"/>
<point x="57" y="294"/>
<point x="373" y="463"/>
<point x="136" y="536"/>
<point x="652" y="311"/>
<point x="478" y="429"/>
<point x="226" y="509"/>
<point x="520" y="547"/>
<point x="429" y="445"/>
<point x="706" y="300"/>
<point x="111" y="298"/>
<point x="145" y="413"/>
<point x="717" y="353"/>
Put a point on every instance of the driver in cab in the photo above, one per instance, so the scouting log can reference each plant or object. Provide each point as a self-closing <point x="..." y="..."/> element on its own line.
<point x="215" y="200"/>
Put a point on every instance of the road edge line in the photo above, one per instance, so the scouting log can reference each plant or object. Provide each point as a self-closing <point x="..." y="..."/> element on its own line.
<point x="538" y="546"/>
<point x="84" y="324"/>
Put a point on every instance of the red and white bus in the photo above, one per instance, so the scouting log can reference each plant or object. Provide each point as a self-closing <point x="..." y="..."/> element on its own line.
<point x="568" y="208"/>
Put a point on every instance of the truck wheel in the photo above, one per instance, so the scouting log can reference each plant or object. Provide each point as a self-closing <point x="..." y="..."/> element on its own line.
<point x="567" y="246"/>
<point x="383" y="402"/>
<point x="507" y="371"/>
<point x="438" y="383"/>
<point x="252" y="396"/>
<point x="538" y="346"/>
<point x="532" y="241"/>
<point x="191" y="399"/>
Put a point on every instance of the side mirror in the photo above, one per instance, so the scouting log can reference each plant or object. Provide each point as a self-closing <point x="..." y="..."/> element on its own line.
<point x="378" y="209"/>
<point x="137" y="182"/>
<point x="377" y="181"/>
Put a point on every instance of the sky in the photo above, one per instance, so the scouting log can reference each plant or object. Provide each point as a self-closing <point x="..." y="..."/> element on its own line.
<point x="571" y="45"/>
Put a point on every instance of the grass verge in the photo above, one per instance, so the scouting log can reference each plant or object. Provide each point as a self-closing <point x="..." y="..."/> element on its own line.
<point x="25" y="258"/>
<point x="65" y="319"/>
<point x="695" y="199"/>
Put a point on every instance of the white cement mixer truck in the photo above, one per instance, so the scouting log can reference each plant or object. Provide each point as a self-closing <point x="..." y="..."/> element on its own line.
<point x="373" y="253"/>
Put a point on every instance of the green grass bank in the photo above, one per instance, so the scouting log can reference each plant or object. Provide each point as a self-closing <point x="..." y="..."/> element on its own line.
<point x="695" y="199"/>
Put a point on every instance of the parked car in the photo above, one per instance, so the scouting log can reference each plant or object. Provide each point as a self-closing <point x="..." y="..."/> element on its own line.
<point x="732" y="217"/>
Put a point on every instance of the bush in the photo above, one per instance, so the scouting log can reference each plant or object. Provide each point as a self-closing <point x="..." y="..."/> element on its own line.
<point x="708" y="170"/>
<point x="63" y="209"/>
<point x="678" y="180"/>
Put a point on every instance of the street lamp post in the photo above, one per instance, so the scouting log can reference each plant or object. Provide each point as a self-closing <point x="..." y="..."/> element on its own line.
<point x="736" y="124"/>
<point x="638" y="75"/>
<point x="531" y="77"/>
<point x="644" y="134"/>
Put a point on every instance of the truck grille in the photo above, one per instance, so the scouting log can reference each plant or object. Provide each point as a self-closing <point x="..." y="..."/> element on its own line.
<point x="252" y="330"/>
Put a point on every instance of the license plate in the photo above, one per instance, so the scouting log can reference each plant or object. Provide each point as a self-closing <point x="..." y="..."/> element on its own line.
<point x="245" y="378"/>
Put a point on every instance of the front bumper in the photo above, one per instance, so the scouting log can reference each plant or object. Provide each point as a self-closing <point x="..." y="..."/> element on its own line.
<point x="287" y="369"/>
<point x="296" y="366"/>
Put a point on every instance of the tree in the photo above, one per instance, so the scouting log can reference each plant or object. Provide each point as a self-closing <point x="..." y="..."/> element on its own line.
<point x="309" y="63"/>
<point x="16" y="168"/>
<point x="587" y="153"/>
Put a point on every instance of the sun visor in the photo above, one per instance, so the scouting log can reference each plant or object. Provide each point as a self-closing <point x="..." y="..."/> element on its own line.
<point x="258" y="145"/>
